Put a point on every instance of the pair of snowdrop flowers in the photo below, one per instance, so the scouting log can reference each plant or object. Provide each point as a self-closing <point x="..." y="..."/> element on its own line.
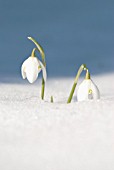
<point x="32" y="66"/>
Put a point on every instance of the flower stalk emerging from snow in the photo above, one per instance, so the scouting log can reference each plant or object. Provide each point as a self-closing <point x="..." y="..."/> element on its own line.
<point x="87" y="89"/>
<point x="82" y="67"/>
<point x="32" y="66"/>
<point x="51" y="99"/>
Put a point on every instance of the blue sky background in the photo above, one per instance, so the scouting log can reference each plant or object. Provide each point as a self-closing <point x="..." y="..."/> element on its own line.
<point x="71" y="32"/>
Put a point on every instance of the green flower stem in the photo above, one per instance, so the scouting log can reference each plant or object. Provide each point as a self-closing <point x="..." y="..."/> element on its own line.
<point x="41" y="51"/>
<point x="43" y="89"/>
<point x="71" y="93"/>
<point x="82" y="67"/>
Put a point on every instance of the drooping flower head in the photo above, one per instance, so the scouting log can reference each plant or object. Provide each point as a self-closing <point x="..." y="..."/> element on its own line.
<point x="31" y="67"/>
<point x="87" y="90"/>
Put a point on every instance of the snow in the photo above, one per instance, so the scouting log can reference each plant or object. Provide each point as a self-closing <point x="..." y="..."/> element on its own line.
<point x="39" y="135"/>
<point x="36" y="134"/>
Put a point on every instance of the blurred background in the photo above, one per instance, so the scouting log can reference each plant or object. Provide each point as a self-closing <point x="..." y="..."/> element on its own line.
<point x="71" y="32"/>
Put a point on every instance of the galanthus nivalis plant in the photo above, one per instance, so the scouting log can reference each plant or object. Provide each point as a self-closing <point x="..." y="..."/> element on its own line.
<point x="32" y="66"/>
<point x="87" y="89"/>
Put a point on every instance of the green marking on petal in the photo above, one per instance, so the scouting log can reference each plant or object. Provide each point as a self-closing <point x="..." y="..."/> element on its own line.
<point x="90" y="91"/>
<point x="39" y="67"/>
<point x="90" y="94"/>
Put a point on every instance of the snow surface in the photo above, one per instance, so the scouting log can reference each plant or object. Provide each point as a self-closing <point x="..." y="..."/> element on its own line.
<point x="39" y="135"/>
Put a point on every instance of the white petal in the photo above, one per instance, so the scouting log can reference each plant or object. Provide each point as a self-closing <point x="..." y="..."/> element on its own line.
<point x="96" y="93"/>
<point x="84" y="88"/>
<point x="82" y="92"/>
<point x="23" y="69"/>
<point x="43" y="70"/>
<point x="32" y="69"/>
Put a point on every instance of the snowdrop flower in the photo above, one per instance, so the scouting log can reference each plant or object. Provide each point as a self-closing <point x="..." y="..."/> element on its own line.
<point x="31" y="67"/>
<point x="87" y="90"/>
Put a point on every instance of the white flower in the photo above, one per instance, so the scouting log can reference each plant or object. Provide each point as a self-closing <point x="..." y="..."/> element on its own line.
<point x="31" y="68"/>
<point x="87" y="91"/>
